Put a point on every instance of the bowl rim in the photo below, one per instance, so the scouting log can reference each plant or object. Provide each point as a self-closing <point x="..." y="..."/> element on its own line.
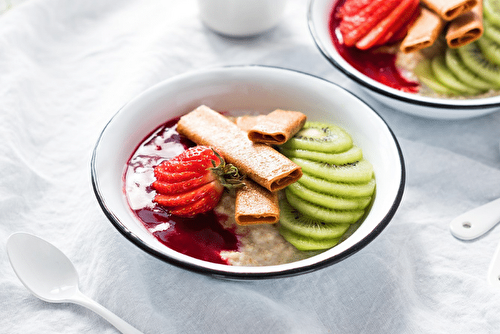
<point x="243" y="275"/>
<point x="360" y="78"/>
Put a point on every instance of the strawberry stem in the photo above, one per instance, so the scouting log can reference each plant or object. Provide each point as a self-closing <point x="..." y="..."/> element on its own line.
<point x="228" y="174"/>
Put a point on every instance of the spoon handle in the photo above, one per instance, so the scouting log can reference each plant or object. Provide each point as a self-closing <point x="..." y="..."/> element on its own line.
<point x="112" y="318"/>
<point x="476" y="222"/>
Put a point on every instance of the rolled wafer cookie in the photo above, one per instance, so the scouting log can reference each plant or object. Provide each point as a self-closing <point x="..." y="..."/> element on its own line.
<point x="423" y="33"/>
<point x="260" y="162"/>
<point x="256" y="205"/>
<point x="450" y="9"/>
<point x="247" y="122"/>
<point x="277" y="127"/>
<point x="466" y="28"/>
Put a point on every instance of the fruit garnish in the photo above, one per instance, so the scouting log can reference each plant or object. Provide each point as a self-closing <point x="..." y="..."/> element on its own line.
<point x="334" y="191"/>
<point x="462" y="72"/>
<point x="355" y="25"/>
<point x="399" y="33"/>
<point x="307" y="233"/>
<point x="316" y="136"/>
<point x="388" y="26"/>
<point x="193" y="182"/>
<point x="469" y="70"/>
<point x="492" y="11"/>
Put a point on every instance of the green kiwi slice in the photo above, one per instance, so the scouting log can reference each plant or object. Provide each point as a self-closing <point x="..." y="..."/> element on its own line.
<point x="324" y="214"/>
<point x="455" y="65"/>
<point x="328" y="201"/>
<point x="491" y="31"/>
<point x="491" y="10"/>
<point x="351" y="155"/>
<point x="338" y="188"/>
<point x="293" y="220"/>
<point x="358" y="172"/>
<point x="316" y="136"/>
<point x="424" y="72"/>
<point x="303" y="243"/>
<point x="474" y="59"/>
<point x="490" y="49"/>
<point x="447" y="78"/>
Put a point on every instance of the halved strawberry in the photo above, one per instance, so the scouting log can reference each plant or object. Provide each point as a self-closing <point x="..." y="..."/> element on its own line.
<point x="403" y="30"/>
<point x="193" y="182"/>
<point x="356" y="26"/>
<point x="388" y="25"/>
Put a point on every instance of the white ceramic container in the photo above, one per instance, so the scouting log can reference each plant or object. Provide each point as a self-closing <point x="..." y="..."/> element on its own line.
<point x="438" y="108"/>
<point x="247" y="88"/>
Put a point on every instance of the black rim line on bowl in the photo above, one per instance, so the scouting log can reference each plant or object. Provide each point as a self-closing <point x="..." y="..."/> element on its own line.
<point x="252" y="275"/>
<point x="441" y="105"/>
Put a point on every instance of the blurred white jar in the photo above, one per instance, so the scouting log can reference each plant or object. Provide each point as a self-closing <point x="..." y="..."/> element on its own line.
<point x="241" y="18"/>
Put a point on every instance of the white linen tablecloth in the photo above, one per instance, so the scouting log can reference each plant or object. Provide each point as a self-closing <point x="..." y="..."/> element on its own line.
<point x="67" y="66"/>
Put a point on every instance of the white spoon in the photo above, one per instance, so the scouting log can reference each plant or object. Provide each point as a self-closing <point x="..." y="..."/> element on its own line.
<point x="50" y="275"/>
<point x="476" y="222"/>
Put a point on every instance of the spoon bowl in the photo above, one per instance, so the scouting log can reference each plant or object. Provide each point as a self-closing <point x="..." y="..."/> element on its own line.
<point x="54" y="279"/>
<point x="49" y="275"/>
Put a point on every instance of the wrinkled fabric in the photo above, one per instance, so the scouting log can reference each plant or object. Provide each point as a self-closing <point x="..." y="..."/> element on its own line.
<point x="68" y="66"/>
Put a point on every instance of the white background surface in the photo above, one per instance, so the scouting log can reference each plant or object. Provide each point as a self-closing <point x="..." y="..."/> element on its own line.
<point x="67" y="66"/>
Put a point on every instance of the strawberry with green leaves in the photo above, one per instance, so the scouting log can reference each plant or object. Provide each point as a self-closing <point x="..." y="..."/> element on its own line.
<point x="193" y="182"/>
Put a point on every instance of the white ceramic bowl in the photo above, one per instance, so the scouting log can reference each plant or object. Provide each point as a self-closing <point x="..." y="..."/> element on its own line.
<point x="246" y="88"/>
<point x="439" y="108"/>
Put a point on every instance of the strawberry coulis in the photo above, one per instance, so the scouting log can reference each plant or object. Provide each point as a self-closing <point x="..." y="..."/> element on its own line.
<point x="203" y="236"/>
<point x="378" y="65"/>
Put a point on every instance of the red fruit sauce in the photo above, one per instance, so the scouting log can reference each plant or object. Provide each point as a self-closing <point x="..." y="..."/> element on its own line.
<point x="202" y="237"/>
<point x="378" y="65"/>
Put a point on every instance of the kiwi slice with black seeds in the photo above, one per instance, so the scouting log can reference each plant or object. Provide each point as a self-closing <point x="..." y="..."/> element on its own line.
<point x="491" y="31"/>
<point x="293" y="220"/>
<point x="490" y="49"/>
<point x="350" y="156"/>
<point x="358" y="172"/>
<point x="338" y="188"/>
<point x="447" y="78"/>
<point x="321" y="213"/>
<point x="474" y="59"/>
<point x="304" y="243"/>
<point x="425" y="75"/>
<point x="316" y="136"/>
<point x="328" y="201"/>
<point x="456" y="65"/>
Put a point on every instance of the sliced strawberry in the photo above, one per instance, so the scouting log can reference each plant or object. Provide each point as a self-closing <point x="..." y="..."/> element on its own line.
<point x="352" y="7"/>
<point x="204" y="204"/>
<point x="182" y="186"/>
<point x="388" y="25"/>
<point x="196" y="159"/>
<point x="197" y="166"/>
<point x="403" y="30"/>
<point x="193" y="181"/>
<point x="201" y="153"/>
<point x="165" y="176"/>
<point x="190" y="196"/>
<point x="354" y="27"/>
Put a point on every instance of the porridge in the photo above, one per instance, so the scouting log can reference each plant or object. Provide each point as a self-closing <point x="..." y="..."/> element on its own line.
<point x="238" y="229"/>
